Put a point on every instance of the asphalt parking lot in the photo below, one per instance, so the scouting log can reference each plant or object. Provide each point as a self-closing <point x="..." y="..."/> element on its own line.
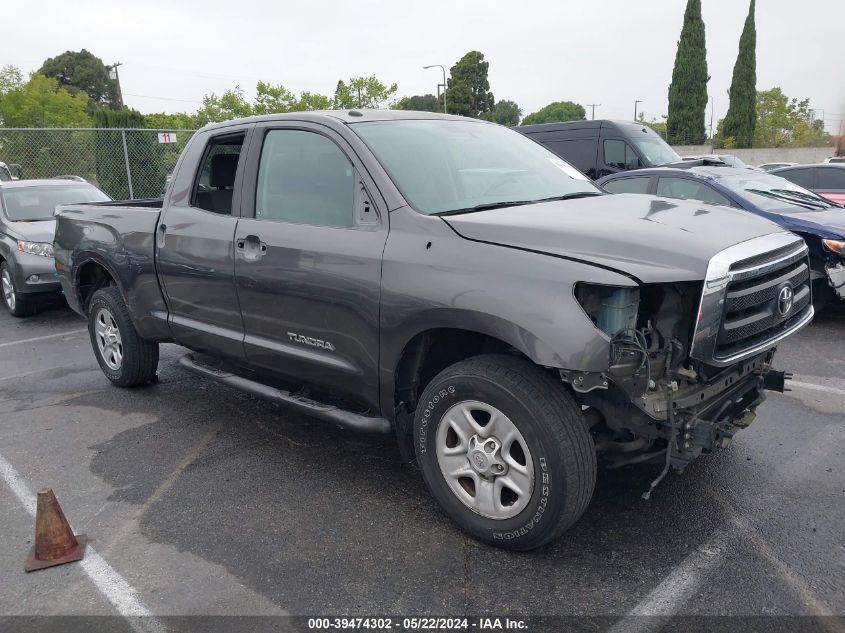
<point x="200" y="500"/>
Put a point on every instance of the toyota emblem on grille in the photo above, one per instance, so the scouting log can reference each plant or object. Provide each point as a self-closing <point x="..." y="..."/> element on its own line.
<point x="785" y="298"/>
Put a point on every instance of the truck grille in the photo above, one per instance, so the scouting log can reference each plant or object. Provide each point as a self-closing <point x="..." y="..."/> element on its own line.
<point x="755" y="293"/>
<point x="756" y="312"/>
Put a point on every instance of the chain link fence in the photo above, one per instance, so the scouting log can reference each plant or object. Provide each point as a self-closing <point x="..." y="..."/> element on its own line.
<point x="125" y="163"/>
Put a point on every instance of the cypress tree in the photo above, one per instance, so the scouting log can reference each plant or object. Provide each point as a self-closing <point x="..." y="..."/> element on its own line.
<point x="741" y="119"/>
<point x="688" y="90"/>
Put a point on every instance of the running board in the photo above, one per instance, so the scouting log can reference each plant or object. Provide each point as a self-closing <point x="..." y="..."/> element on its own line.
<point x="343" y="418"/>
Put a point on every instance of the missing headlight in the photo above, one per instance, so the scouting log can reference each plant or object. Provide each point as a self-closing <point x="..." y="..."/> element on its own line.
<point x="613" y="309"/>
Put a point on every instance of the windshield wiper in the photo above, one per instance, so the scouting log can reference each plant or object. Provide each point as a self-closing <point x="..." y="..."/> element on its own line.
<point x="484" y="207"/>
<point x="801" y="202"/>
<point x="809" y="197"/>
<point x="517" y="203"/>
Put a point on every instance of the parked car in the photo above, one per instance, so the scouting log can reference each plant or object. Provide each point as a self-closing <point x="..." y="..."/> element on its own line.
<point x="835" y="159"/>
<point x="818" y="220"/>
<point x="27" y="271"/>
<point x="771" y="166"/>
<point x="825" y="179"/>
<point x="5" y="173"/>
<point x="452" y="282"/>
<point x="599" y="148"/>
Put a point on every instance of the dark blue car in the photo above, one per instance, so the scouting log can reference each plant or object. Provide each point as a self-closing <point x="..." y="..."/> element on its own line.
<point x="818" y="220"/>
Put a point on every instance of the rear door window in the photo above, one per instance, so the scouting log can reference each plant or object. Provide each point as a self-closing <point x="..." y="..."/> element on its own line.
<point x="638" y="184"/>
<point x="830" y="178"/>
<point x="215" y="182"/>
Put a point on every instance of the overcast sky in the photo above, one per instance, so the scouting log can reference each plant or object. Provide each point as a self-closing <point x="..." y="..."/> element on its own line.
<point x="609" y="52"/>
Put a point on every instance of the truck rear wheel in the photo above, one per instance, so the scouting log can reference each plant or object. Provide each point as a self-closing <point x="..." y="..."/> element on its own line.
<point x="125" y="358"/>
<point x="504" y="449"/>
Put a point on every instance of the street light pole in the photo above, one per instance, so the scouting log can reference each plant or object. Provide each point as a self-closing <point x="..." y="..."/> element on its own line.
<point x="636" y="103"/>
<point x="712" y="140"/>
<point x="445" y="111"/>
<point x="593" y="106"/>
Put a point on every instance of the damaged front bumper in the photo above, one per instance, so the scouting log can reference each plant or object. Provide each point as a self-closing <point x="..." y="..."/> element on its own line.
<point x="836" y="277"/>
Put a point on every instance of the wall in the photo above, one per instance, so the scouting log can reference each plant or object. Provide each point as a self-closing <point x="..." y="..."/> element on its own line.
<point x="758" y="156"/>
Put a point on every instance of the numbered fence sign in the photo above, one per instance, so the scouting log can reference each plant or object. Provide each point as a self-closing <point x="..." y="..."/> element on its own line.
<point x="167" y="137"/>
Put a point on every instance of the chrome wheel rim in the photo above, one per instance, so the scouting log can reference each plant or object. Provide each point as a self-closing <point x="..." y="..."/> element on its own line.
<point x="108" y="338"/>
<point x="8" y="289"/>
<point x="485" y="460"/>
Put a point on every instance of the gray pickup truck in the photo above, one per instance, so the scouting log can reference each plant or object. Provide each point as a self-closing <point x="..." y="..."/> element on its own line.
<point x="454" y="283"/>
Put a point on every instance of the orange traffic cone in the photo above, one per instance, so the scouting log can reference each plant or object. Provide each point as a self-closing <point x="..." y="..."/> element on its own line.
<point x="55" y="543"/>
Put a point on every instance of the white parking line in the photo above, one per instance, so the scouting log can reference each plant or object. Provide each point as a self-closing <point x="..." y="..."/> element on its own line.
<point x="42" y="338"/>
<point x="653" y="612"/>
<point x="812" y="387"/>
<point x="112" y="585"/>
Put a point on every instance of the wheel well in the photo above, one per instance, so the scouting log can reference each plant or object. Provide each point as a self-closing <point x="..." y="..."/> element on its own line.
<point x="432" y="351"/>
<point x="92" y="276"/>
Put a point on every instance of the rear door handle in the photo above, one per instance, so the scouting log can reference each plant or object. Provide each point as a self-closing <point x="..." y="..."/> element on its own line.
<point x="160" y="234"/>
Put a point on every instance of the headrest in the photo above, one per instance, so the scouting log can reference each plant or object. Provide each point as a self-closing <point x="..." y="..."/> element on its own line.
<point x="223" y="168"/>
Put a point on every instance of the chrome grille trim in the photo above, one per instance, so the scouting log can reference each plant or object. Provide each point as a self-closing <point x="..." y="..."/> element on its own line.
<point x="787" y="249"/>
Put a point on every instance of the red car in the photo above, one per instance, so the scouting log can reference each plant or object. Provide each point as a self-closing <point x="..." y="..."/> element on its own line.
<point x="825" y="179"/>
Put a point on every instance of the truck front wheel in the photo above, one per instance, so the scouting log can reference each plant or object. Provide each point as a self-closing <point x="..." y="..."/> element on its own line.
<point x="504" y="449"/>
<point x="125" y="358"/>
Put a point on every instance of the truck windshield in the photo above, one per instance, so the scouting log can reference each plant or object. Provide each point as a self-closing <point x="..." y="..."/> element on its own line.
<point x="656" y="151"/>
<point x="443" y="166"/>
<point x="770" y="192"/>
<point x="39" y="202"/>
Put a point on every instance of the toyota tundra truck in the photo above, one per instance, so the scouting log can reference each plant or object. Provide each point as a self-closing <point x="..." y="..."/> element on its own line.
<point x="454" y="283"/>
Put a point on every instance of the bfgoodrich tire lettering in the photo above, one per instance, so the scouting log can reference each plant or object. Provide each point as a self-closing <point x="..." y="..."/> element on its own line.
<point x="136" y="361"/>
<point x="549" y="421"/>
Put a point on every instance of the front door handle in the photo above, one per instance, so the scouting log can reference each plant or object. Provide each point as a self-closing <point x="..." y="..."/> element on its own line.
<point x="251" y="247"/>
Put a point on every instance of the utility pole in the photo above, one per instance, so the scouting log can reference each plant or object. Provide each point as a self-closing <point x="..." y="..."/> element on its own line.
<point x="593" y="106"/>
<point x="712" y="140"/>
<point x="636" y="103"/>
<point x="116" y="78"/>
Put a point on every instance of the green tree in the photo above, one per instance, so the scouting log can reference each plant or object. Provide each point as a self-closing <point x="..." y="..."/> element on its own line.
<point x="468" y="91"/>
<point x="270" y="99"/>
<point x="312" y="101"/>
<point x="419" y="103"/>
<point x="507" y="113"/>
<point x="688" y="90"/>
<point x="11" y="79"/>
<point x="555" y="112"/>
<point x="145" y="154"/>
<point x="81" y="71"/>
<point x="363" y="92"/>
<point x="230" y="105"/>
<point x="41" y="103"/>
<point x="175" y="121"/>
<point x="741" y="119"/>
<point x="782" y="122"/>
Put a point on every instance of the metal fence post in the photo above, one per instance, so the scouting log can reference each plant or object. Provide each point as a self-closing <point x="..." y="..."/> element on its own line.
<point x="126" y="160"/>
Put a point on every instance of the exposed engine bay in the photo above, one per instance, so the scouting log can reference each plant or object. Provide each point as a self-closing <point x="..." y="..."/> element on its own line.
<point x="654" y="395"/>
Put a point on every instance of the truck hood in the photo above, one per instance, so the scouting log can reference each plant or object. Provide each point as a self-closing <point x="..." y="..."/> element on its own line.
<point x="652" y="239"/>
<point x="41" y="231"/>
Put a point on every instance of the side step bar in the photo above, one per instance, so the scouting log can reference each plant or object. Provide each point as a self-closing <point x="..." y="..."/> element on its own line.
<point x="341" y="417"/>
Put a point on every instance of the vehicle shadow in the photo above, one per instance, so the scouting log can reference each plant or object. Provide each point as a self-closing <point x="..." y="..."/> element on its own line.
<point x="325" y="521"/>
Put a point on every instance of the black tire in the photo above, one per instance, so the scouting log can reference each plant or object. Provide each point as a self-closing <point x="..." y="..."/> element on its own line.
<point x="823" y="294"/>
<point x="553" y="428"/>
<point x="139" y="357"/>
<point x="19" y="306"/>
